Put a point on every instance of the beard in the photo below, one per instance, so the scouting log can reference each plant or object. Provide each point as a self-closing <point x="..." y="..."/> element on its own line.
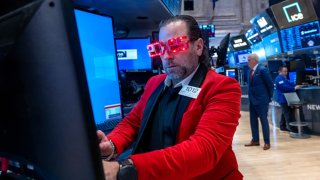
<point x="176" y="73"/>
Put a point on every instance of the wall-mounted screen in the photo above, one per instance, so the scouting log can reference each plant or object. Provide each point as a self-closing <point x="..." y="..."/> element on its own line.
<point x="264" y="24"/>
<point x="98" y="50"/>
<point x="241" y="57"/>
<point x="239" y="43"/>
<point x="272" y="45"/>
<point x="133" y="54"/>
<point x="294" y="12"/>
<point x="301" y="36"/>
<point x="253" y="36"/>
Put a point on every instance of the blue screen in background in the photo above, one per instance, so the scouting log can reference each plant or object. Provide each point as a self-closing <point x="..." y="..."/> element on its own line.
<point x="231" y="73"/>
<point x="98" y="50"/>
<point x="241" y="57"/>
<point x="293" y="77"/>
<point x="259" y="50"/>
<point x="133" y="54"/>
<point x="301" y="36"/>
<point x="271" y="44"/>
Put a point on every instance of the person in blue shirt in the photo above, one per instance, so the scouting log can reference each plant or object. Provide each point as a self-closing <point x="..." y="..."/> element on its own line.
<point x="283" y="85"/>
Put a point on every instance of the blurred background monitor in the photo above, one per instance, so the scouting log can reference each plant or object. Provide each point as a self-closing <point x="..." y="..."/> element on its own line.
<point x="253" y="36"/>
<point x="271" y="44"/>
<point x="264" y="23"/>
<point x="231" y="73"/>
<point x="239" y="43"/>
<point x="293" y="77"/>
<point x="133" y="55"/>
<point x="301" y="37"/>
<point x="297" y="65"/>
<point x="290" y="13"/>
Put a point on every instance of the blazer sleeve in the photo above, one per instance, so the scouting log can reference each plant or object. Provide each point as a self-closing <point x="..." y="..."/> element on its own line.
<point x="266" y="77"/>
<point x="203" y="150"/>
<point x="125" y="133"/>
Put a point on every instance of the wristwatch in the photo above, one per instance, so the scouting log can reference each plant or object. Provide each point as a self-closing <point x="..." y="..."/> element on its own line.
<point x="127" y="171"/>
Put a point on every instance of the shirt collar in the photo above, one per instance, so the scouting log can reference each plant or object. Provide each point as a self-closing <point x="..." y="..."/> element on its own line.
<point x="185" y="81"/>
<point x="255" y="67"/>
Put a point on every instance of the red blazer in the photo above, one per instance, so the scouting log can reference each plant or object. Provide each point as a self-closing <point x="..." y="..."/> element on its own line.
<point x="203" y="148"/>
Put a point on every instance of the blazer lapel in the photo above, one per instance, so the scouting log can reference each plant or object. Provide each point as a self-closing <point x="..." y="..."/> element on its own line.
<point x="196" y="81"/>
<point x="147" y="112"/>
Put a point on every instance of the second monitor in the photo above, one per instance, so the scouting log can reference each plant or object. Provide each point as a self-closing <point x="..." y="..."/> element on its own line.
<point x="133" y="55"/>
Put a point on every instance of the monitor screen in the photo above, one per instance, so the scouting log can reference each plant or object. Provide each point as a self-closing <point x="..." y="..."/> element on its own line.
<point x="242" y="56"/>
<point x="259" y="50"/>
<point x="231" y="73"/>
<point x="294" y="12"/>
<point x="301" y="36"/>
<point x="46" y="119"/>
<point x="297" y="65"/>
<point x="98" y="50"/>
<point x="253" y="36"/>
<point x="292" y="77"/>
<point x="239" y="43"/>
<point x="209" y="29"/>
<point x="264" y="24"/>
<point x="272" y="45"/>
<point x="133" y="54"/>
<point x="231" y="60"/>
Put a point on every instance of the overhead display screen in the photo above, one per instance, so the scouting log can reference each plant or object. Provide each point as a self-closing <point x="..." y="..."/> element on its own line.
<point x="253" y="36"/>
<point x="239" y="43"/>
<point x="294" y="12"/>
<point x="272" y="45"/>
<point x="264" y="24"/>
<point x="300" y="37"/>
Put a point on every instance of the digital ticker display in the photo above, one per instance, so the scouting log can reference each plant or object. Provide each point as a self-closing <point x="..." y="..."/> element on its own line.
<point x="300" y="37"/>
<point x="272" y="45"/>
<point x="253" y="36"/>
<point x="294" y="12"/>
<point x="264" y="24"/>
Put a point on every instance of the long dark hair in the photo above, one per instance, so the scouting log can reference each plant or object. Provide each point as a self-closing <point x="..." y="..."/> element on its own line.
<point x="194" y="33"/>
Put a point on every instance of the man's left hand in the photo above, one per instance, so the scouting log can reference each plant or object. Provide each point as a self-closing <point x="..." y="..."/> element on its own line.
<point x="110" y="169"/>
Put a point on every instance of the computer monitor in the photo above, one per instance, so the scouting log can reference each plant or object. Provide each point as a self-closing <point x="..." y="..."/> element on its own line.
<point x="300" y="37"/>
<point x="293" y="77"/>
<point x="98" y="50"/>
<point x="133" y="54"/>
<point x="271" y="44"/>
<point x="46" y="119"/>
<point x="242" y="56"/>
<point x="231" y="73"/>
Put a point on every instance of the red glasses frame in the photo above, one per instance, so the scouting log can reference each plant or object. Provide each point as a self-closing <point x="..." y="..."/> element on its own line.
<point x="173" y="45"/>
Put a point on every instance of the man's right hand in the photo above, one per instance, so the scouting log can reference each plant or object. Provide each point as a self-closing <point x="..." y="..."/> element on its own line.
<point x="297" y="87"/>
<point x="104" y="144"/>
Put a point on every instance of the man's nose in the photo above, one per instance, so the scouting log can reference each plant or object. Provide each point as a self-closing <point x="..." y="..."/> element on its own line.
<point x="167" y="55"/>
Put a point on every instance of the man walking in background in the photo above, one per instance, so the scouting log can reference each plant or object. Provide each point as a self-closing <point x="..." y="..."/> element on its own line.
<point x="260" y="93"/>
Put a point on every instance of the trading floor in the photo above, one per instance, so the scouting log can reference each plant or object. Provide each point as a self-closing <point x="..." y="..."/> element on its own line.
<point x="288" y="158"/>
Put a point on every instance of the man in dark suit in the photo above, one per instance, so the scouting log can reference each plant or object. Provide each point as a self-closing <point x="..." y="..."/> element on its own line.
<point x="260" y="93"/>
<point x="184" y="122"/>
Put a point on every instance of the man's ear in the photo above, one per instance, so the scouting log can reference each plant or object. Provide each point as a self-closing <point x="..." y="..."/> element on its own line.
<point x="199" y="45"/>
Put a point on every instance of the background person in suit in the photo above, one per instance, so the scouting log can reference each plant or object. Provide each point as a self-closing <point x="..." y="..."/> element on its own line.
<point x="283" y="85"/>
<point x="177" y="135"/>
<point x="260" y="93"/>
